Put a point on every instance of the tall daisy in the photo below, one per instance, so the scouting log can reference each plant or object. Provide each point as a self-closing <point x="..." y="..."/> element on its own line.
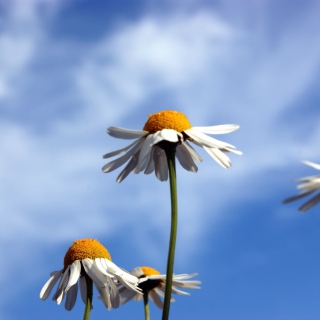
<point x="88" y="261"/>
<point x="147" y="152"/>
<point x="308" y="186"/>
<point x="153" y="285"/>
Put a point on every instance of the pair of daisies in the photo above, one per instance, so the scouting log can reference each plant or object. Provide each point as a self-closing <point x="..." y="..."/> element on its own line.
<point x="89" y="258"/>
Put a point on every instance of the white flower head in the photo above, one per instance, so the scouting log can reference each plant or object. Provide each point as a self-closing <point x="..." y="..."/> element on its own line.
<point x="87" y="257"/>
<point x="153" y="283"/>
<point x="147" y="152"/>
<point x="308" y="185"/>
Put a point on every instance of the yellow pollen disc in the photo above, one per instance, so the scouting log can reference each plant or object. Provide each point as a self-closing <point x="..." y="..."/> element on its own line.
<point x="147" y="271"/>
<point x="85" y="248"/>
<point x="167" y="119"/>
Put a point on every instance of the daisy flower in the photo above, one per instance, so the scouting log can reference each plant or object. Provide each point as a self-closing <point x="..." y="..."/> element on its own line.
<point x="147" y="153"/>
<point x="152" y="283"/>
<point x="308" y="186"/>
<point x="88" y="258"/>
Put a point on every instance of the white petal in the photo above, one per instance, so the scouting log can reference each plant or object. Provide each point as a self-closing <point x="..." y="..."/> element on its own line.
<point x="129" y="167"/>
<point x="219" y="156"/>
<point x="128" y="134"/>
<point x="312" y="202"/>
<point x="298" y="196"/>
<point x="156" y="299"/>
<point x="105" y="296"/>
<point x="161" y="164"/>
<point x="58" y="296"/>
<point x="150" y="165"/>
<point x="126" y="295"/>
<point x="185" y="159"/>
<point x="220" y="129"/>
<point x="167" y="135"/>
<point x="206" y="141"/>
<point x="192" y="152"/>
<point x="123" y="159"/>
<point x="46" y="289"/>
<point x="312" y="164"/>
<point x="83" y="289"/>
<point x="116" y="152"/>
<point x="177" y="291"/>
<point x="71" y="297"/>
<point x="93" y="272"/>
<point x="75" y="269"/>
<point x="114" y="297"/>
<point x="145" y="153"/>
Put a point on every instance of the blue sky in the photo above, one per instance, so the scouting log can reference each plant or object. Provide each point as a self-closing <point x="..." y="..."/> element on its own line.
<point x="69" y="69"/>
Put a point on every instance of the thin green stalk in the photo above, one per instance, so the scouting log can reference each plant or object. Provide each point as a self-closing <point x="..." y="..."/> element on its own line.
<point x="170" y="153"/>
<point x="146" y="305"/>
<point x="88" y="308"/>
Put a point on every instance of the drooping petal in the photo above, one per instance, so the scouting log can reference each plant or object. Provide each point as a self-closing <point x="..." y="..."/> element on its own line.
<point x="145" y="153"/>
<point x="93" y="272"/>
<point x="46" y="289"/>
<point x="112" y="165"/>
<point x="114" y="294"/>
<point x="150" y="166"/>
<point x="127" y="134"/>
<point x="71" y="297"/>
<point x="311" y="203"/>
<point x="116" y="152"/>
<point x="219" y="157"/>
<point x="185" y="158"/>
<point x="160" y="163"/>
<point x="83" y="289"/>
<point x="177" y="291"/>
<point x="220" y="129"/>
<point x="105" y="296"/>
<point x="192" y="152"/>
<point x="206" y="141"/>
<point x="75" y="269"/>
<point x="298" y="196"/>
<point x="58" y="296"/>
<point x="127" y="295"/>
<point x="129" y="167"/>
<point x="156" y="299"/>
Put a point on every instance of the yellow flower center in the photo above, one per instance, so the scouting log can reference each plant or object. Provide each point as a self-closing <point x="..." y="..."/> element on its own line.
<point x="85" y="248"/>
<point x="147" y="271"/>
<point x="167" y="119"/>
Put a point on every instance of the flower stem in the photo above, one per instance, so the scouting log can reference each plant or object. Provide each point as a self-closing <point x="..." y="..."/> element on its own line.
<point x="170" y="153"/>
<point x="88" y="308"/>
<point x="146" y="306"/>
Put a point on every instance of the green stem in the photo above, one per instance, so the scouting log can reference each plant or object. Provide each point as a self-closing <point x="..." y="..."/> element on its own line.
<point x="146" y="305"/>
<point x="88" y="308"/>
<point x="170" y="153"/>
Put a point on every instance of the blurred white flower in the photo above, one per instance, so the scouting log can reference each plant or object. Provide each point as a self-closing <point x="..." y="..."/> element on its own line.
<point x="87" y="257"/>
<point x="308" y="185"/>
<point x="153" y="283"/>
<point x="147" y="152"/>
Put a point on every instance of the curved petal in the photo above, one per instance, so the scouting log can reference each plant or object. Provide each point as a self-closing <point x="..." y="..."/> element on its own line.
<point x="112" y="165"/>
<point x="220" y="129"/>
<point x="129" y="167"/>
<point x="71" y="297"/>
<point x="75" y="269"/>
<point x="127" y="134"/>
<point x="150" y="165"/>
<point x="192" y="152"/>
<point x="219" y="157"/>
<point x="105" y="296"/>
<point x="185" y="159"/>
<point x="312" y="202"/>
<point x="114" y="296"/>
<point x="83" y="289"/>
<point x="126" y="295"/>
<point x="156" y="299"/>
<point x="160" y="162"/>
<point x="206" y="141"/>
<point x="58" y="296"/>
<point x="145" y="153"/>
<point x="116" y="152"/>
<point x="167" y="135"/>
<point x="46" y="289"/>
<point x="94" y="273"/>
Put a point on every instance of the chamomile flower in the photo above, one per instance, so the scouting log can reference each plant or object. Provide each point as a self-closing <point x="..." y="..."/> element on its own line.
<point x="88" y="258"/>
<point x="308" y="186"/>
<point x="152" y="283"/>
<point x="147" y="153"/>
